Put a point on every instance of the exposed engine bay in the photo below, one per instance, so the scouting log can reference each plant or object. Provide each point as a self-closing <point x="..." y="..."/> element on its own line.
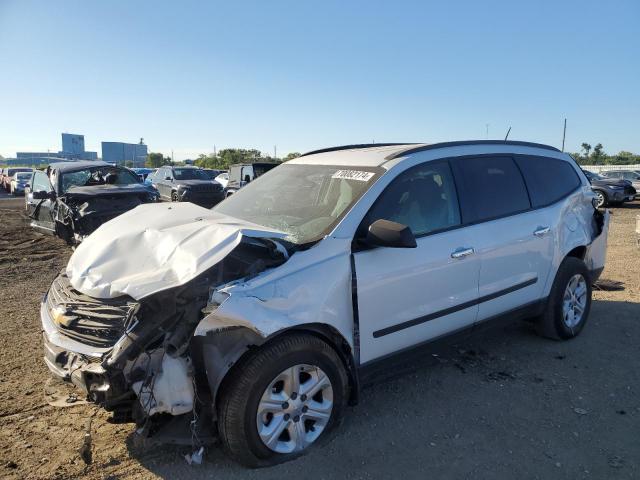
<point x="146" y="361"/>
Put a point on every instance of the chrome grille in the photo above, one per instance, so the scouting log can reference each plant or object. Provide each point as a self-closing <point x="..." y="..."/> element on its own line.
<point x="92" y="321"/>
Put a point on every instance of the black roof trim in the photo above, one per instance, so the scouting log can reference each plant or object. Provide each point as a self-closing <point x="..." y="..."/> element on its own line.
<point x="354" y="147"/>
<point x="434" y="146"/>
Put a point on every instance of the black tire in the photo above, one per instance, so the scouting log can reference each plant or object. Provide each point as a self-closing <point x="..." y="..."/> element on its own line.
<point x="551" y="323"/>
<point x="237" y="405"/>
<point x="174" y="197"/>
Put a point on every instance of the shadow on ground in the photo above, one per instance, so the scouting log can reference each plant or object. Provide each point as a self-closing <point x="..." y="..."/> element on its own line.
<point x="501" y="403"/>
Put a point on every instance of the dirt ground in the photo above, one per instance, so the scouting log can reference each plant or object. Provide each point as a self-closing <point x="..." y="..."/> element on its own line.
<point x="501" y="404"/>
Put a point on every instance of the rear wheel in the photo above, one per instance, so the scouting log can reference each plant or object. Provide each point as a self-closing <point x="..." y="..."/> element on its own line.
<point x="174" y="197"/>
<point x="281" y="400"/>
<point x="569" y="301"/>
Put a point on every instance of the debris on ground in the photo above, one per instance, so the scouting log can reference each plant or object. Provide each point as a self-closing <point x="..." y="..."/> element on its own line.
<point x="608" y="285"/>
<point x="85" y="449"/>
<point x="195" y="458"/>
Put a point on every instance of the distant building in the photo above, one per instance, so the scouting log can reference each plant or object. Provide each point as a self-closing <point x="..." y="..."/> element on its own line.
<point x="33" y="161"/>
<point x="72" y="149"/>
<point x="72" y="143"/>
<point x="127" y="154"/>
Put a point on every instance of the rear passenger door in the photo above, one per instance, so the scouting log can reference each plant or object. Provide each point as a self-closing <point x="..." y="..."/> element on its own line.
<point x="513" y="242"/>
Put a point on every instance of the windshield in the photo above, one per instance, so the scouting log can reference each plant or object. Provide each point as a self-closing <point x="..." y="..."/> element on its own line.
<point x="209" y="174"/>
<point x="23" y="176"/>
<point x="592" y="176"/>
<point x="304" y="201"/>
<point x="98" y="176"/>
<point x="188" y="174"/>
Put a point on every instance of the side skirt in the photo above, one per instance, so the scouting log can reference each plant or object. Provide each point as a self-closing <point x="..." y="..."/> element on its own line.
<point x="396" y="362"/>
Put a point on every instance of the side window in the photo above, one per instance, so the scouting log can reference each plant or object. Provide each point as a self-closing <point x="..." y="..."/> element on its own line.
<point x="490" y="187"/>
<point x="40" y="182"/>
<point x="548" y="179"/>
<point x="423" y="198"/>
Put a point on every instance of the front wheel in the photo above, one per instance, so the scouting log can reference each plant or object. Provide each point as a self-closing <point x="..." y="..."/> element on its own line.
<point x="601" y="199"/>
<point x="281" y="400"/>
<point x="569" y="302"/>
<point x="174" y="197"/>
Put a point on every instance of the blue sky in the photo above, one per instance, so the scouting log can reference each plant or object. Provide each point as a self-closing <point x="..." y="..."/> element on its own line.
<point x="190" y="75"/>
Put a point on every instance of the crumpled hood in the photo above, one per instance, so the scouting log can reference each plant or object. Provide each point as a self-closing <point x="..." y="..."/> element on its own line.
<point x="155" y="247"/>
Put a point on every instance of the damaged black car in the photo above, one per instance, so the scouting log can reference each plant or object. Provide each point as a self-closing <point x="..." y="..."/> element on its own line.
<point x="72" y="199"/>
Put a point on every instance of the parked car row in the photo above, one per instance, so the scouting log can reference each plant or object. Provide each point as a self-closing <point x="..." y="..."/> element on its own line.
<point x="14" y="179"/>
<point x="610" y="190"/>
<point x="265" y="314"/>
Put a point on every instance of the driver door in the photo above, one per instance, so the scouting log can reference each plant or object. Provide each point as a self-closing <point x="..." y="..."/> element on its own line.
<point x="407" y="296"/>
<point x="40" y="210"/>
<point x="164" y="185"/>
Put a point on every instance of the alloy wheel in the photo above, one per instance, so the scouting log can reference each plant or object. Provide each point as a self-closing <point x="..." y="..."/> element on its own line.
<point x="295" y="408"/>
<point x="574" y="301"/>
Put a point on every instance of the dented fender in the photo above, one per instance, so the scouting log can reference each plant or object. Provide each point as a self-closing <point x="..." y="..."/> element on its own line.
<point x="312" y="289"/>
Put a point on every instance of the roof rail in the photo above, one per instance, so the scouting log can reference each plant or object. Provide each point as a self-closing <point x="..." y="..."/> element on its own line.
<point x="433" y="146"/>
<point x="354" y="147"/>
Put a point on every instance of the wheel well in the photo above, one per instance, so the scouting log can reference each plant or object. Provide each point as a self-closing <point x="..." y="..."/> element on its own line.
<point x="332" y="337"/>
<point x="578" y="252"/>
<point x="325" y="333"/>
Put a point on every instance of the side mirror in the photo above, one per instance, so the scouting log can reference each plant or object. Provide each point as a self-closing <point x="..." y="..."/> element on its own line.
<point x="168" y="179"/>
<point x="27" y="185"/>
<point x="385" y="233"/>
<point x="247" y="178"/>
<point x="42" y="195"/>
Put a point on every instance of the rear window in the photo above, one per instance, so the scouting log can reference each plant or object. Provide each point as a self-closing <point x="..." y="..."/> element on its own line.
<point x="490" y="187"/>
<point x="548" y="179"/>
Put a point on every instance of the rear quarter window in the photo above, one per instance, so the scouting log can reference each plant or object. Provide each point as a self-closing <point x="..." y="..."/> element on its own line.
<point x="489" y="187"/>
<point x="548" y="179"/>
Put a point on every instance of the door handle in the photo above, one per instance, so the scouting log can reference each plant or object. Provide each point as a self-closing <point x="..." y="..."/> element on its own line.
<point x="541" y="231"/>
<point x="461" y="252"/>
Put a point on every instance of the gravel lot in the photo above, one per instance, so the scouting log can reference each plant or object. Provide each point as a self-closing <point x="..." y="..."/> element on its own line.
<point x="501" y="404"/>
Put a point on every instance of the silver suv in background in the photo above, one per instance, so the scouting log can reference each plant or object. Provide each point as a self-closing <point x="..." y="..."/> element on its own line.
<point x="265" y="314"/>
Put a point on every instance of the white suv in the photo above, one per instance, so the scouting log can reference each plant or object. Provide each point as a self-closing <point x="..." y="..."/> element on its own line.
<point x="264" y="314"/>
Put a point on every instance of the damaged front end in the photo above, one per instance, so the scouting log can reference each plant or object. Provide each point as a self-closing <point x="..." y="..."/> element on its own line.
<point x="79" y="212"/>
<point x="139" y="358"/>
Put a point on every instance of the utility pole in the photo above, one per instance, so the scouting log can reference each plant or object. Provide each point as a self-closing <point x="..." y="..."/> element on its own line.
<point x="487" y="132"/>
<point x="214" y="151"/>
<point x="172" y="156"/>
<point x="275" y="152"/>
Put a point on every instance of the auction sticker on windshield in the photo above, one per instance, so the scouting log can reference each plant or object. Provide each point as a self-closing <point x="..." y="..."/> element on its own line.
<point x="353" y="175"/>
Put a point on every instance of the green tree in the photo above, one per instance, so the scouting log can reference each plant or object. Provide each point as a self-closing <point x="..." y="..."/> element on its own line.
<point x="598" y="155"/>
<point x="291" y="156"/>
<point x="587" y="148"/>
<point x="155" y="160"/>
